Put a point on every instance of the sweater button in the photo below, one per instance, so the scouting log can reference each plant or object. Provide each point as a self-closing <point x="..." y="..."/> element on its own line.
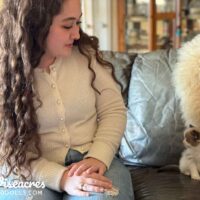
<point x="53" y="85"/>
<point x="58" y="101"/>
<point x="63" y="130"/>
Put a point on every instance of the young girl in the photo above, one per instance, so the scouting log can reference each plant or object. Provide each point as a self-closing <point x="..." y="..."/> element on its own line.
<point x="62" y="114"/>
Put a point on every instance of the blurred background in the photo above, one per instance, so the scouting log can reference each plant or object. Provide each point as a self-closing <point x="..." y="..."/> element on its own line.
<point x="141" y="25"/>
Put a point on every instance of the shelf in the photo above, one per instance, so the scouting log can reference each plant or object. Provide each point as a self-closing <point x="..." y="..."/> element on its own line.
<point x="154" y="28"/>
<point x="166" y="16"/>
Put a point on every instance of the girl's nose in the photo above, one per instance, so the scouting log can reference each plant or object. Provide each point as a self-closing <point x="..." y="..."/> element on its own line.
<point x="75" y="35"/>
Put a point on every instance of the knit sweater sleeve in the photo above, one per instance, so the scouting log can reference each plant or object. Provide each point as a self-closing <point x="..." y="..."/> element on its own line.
<point x="47" y="171"/>
<point x="111" y="117"/>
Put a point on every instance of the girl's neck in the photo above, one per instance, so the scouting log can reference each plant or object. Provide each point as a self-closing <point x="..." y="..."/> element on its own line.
<point x="46" y="61"/>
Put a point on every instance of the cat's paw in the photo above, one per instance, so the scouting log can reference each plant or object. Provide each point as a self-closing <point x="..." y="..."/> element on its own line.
<point x="197" y="178"/>
<point x="186" y="173"/>
<point x="183" y="171"/>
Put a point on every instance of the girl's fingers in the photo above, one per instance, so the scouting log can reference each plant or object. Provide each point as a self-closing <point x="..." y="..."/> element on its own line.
<point x="98" y="183"/>
<point x="95" y="169"/>
<point x="92" y="169"/>
<point x="100" y="177"/>
<point x="92" y="188"/>
<point x="81" y="169"/>
<point x="77" y="170"/>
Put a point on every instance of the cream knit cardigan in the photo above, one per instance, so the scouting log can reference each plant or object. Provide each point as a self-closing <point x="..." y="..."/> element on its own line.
<point x="74" y="116"/>
<point x="186" y="78"/>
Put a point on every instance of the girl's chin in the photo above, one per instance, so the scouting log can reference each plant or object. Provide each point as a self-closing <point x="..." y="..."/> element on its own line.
<point x="68" y="48"/>
<point x="66" y="53"/>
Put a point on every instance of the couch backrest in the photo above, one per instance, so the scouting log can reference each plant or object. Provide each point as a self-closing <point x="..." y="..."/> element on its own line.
<point x="153" y="134"/>
<point x="122" y="63"/>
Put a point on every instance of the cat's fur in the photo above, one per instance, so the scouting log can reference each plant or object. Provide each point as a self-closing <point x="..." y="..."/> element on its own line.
<point x="190" y="160"/>
<point x="186" y="80"/>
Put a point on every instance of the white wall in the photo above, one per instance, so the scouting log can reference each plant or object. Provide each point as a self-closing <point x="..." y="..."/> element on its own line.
<point x="102" y="22"/>
<point x="87" y="18"/>
<point x="1" y="1"/>
<point x="100" y="19"/>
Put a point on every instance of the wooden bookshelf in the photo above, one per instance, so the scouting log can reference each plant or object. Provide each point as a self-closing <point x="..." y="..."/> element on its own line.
<point x="121" y="25"/>
<point x="153" y="17"/>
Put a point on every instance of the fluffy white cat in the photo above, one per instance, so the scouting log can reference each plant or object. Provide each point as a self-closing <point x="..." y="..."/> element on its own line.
<point x="190" y="160"/>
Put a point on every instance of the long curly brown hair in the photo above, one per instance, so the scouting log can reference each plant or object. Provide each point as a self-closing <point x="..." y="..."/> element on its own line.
<point x="24" y="26"/>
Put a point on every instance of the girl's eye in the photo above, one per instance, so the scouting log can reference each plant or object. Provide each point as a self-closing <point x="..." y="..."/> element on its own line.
<point x="69" y="27"/>
<point x="78" y="23"/>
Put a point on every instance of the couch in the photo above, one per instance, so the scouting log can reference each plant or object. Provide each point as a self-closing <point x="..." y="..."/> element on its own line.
<point x="152" y="142"/>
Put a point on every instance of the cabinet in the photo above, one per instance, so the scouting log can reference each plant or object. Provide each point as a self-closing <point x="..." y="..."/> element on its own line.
<point x="171" y="24"/>
<point x="149" y="24"/>
<point x="191" y="19"/>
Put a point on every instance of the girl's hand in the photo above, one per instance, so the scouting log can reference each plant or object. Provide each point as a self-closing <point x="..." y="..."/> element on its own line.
<point x="88" y="165"/>
<point x="84" y="184"/>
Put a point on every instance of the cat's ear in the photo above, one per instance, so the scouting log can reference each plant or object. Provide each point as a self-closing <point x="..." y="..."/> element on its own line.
<point x="195" y="132"/>
<point x="196" y="135"/>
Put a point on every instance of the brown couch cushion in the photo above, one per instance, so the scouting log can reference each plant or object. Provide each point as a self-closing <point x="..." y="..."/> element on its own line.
<point x="163" y="184"/>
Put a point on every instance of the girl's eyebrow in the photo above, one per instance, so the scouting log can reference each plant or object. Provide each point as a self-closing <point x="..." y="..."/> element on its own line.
<point x="71" y="18"/>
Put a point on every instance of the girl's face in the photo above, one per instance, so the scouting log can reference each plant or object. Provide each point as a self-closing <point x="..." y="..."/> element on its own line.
<point x="64" y="30"/>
